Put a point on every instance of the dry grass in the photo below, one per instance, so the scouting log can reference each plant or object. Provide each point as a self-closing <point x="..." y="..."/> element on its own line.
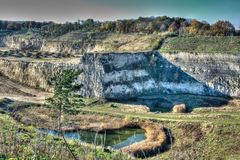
<point x="155" y="141"/>
<point x="127" y="42"/>
<point x="18" y="141"/>
<point x="42" y="117"/>
<point x="46" y="118"/>
<point x="134" y="108"/>
<point x="231" y="106"/>
<point x="207" y="132"/>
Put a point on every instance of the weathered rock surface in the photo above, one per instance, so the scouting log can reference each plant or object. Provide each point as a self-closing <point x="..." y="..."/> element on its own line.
<point x="119" y="75"/>
<point x="129" y="75"/>
<point x="220" y="72"/>
<point x="21" y="42"/>
<point x="37" y="74"/>
<point x="75" y="43"/>
<point x="65" y="47"/>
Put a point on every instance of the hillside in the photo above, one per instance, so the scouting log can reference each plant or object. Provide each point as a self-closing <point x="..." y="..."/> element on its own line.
<point x="202" y="44"/>
<point x="78" y="42"/>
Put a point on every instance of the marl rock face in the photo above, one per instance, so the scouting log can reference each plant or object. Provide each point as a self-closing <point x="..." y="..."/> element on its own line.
<point x="22" y="43"/>
<point x="221" y="72"/>
<point x="32" y="73"/>
<point x="75" y="43"/>
<point x="51" y="46"/>
<point x="129" y="75"/>
<point x="83" y="42"/>
<point x="65" y="47"/>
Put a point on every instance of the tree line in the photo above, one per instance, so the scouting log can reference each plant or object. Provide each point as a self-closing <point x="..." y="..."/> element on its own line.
<point x="176" y="25"/>
<point x="166" y="24"/>
<point x="21" y="25"/>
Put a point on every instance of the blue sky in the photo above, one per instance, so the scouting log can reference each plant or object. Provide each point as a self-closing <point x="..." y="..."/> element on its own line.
<point x="71" y="10"/>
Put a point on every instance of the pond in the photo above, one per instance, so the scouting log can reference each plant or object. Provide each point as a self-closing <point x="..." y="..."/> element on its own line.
<point x="116" y="139"/>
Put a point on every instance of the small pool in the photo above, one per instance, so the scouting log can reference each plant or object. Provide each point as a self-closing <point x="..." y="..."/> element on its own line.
<point x="116" y="139"/>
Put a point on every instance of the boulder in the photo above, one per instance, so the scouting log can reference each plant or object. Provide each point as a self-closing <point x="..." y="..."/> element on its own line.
<point x="179" y="108"/>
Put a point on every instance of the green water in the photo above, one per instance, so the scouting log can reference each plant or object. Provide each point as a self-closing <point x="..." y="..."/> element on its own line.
<point x="116" y="138"/>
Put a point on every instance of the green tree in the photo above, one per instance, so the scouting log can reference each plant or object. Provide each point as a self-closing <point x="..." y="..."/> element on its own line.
<point x="88" y="24"/>
<point x="65" y="98"/>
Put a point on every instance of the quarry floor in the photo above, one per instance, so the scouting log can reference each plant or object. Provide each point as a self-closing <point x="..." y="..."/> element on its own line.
<point x="205" y="133"/>
<point x="15" y="91"/>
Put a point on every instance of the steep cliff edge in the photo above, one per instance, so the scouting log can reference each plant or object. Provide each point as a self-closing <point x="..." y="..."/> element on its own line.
<point x="124" y="75"/>
<point x="34" y="73"/>
<point x="76" y="43"/>
<point x="220" y="72"/>
<point x="22" y="42"/>
<point x="130" y="75"/>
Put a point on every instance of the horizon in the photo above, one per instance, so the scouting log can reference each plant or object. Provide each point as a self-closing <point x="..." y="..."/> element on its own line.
<point x="61" y="11"/>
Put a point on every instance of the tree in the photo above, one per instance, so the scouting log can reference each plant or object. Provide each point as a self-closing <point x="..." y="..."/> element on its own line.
<point x="13" y="26"/>
<point x="167" y="22"/>
<point x="238" y="32"/>
<point x="183" y="28"/>
<point x="223" y="28"/>
<point x="64" y="98"/>
<point x="4" y="25"/>
<point x="205" y="30"/>
<point x="120" y="26"/>
<point x="195" y="27"/>
<point x="173" y="27"/>
<point x="88" y="24"/>
<point x="107" y="26"/>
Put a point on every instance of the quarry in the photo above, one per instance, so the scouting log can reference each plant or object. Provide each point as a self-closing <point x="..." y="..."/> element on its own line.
<point x="176" y="98"/>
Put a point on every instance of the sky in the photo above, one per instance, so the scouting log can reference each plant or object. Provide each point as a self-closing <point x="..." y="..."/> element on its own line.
<point x="72" y="10"/>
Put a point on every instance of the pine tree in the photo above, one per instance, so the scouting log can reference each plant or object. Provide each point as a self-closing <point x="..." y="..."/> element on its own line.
<point x="64" y="98"/>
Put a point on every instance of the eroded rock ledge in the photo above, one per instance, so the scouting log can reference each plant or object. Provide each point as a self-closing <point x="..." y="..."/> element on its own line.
<point x="121" y="75"/>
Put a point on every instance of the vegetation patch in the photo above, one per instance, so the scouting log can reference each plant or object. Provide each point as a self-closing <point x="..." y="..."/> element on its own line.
<point x="155" y="142"/>
<point x="187" y="136"/>
<point x="202" y="44"/>
<point x="24" y="142"/>
<point x="46" y="118"/>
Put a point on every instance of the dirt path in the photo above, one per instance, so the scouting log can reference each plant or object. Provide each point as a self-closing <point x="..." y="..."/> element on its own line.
<point x="17" y="92"/>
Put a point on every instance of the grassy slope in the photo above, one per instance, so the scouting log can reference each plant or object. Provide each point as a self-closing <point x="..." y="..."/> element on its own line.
<point x="113" y="42"/>
<point x="206" y="133"/>
<point x="109" y="42"/>
<point x="24" y="142"/>
<point x="202" y="134"/>
<point x="203" y="44"/>
<point x="128" y="43"/>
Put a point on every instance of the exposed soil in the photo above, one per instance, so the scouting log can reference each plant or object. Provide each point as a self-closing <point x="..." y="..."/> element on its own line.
<point x="17" y="92"/>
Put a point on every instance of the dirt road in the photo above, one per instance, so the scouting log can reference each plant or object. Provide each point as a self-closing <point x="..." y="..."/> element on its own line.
<point x="17" y="92"/>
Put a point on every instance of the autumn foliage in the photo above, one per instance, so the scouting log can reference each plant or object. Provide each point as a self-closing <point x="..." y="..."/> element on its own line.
<point x="148" y="25"/>
<point x="222" y="28"/>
